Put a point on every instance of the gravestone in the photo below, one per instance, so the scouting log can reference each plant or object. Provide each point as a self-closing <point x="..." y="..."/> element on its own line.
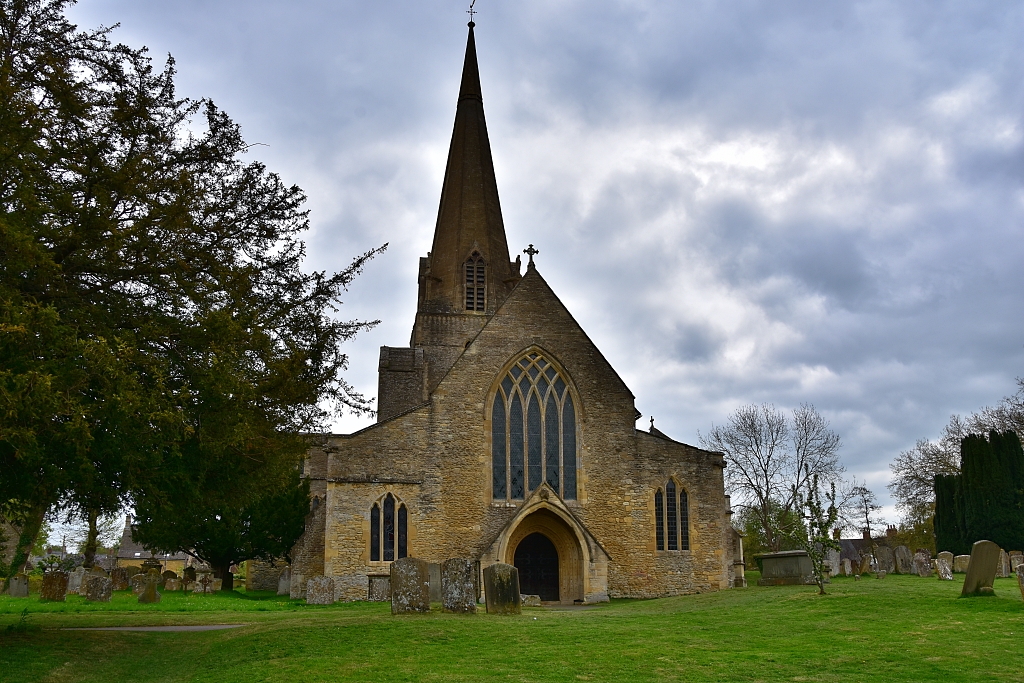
<point x="923" y="564"/>
<point x="947" y="556"/>
<point x="320" y="591"/>
<point x="885" y="559"/>
<point x="786" y="568"/>
<point x="150" y="594"/>
<point x="204" y="582"/>
<point x="1020" y="578"/>
<point x="904" y="560"/>
<point x="284" y="582"/>
<point x="167" y="576"/>
<point x="982" y="570"/>
<point x="18" y="587"/>
<point x="98" y="589"/>
<point x="880" y="574"/>
<point x="190" y="587"/>
<point x="132" y="570"/>
<point x="138" y="583"/>
<point x="119" y="579"/>
<point x="944" y="570"/>
<point x="458" y="594"/>
<point x="75" y="580"/>
<point x="378" y="588"/>
<point x="847" y="567"/>
<point x="501" y="589"/>
<point x="434" y="570"/>
<point x="188" y="575"/>
<point x="530" y="600"/>
<point x="410" y="586"/>
<point x="1016" y="558"/>
<point x="172" y="585"/>
<point x="960" y="564"/>
<point x="1003" y="567"/>
<point x="217" y="585"/>
<point x="833" y="562"/>
<point x="55" y="586"/>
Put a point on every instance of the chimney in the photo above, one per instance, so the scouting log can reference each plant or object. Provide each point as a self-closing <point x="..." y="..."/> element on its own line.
<point x="867" y="535"/>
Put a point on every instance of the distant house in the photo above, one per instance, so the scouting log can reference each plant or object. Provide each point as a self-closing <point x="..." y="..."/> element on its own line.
<point x="131" y="554"/>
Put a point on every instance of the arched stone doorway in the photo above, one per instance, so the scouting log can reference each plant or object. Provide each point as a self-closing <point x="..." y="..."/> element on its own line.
<point x="537" y="561"/>
<point x="555" y="554"/>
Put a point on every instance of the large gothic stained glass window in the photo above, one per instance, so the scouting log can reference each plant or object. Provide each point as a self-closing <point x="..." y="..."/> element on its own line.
<point x="389" y="530"/>
<point x="533" y="432"/>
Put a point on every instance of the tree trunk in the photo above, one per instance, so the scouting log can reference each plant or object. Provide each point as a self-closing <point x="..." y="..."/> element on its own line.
<point x="26" y="540"/>
<point x="90" y="541"/>
<point x="227" y="579"/>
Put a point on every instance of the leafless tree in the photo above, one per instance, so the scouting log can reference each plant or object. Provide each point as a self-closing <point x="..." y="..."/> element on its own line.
<point x="859" y="510"/>
<point x="771" y="457"/>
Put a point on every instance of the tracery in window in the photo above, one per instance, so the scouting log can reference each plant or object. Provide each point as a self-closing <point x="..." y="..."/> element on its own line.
<point x="672" y="518"/>
<point x="389" y="530"/>
<point x="533" y="432"/>
<point x="475" y="282"/>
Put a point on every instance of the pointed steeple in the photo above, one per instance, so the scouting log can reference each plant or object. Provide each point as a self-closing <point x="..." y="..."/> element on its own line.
<point x="469" y="224"/>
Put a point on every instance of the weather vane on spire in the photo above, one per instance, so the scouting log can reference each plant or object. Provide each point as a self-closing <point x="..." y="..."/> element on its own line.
<point x="471" y="11"/>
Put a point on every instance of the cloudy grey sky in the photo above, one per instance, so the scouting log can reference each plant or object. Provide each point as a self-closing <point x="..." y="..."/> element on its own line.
<point x="740" y="201"/>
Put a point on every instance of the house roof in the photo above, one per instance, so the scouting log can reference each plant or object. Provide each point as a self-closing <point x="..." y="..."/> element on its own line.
<point x="130" y="550"/>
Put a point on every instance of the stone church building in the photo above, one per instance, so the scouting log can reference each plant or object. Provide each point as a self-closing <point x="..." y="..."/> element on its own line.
<point x="503" y="434"/>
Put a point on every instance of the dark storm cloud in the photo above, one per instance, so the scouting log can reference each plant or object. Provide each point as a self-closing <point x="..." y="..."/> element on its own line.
<point x="740" y="201"/>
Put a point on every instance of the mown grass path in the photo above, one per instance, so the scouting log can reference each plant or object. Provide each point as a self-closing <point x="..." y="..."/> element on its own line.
<point x="901" y="628"/>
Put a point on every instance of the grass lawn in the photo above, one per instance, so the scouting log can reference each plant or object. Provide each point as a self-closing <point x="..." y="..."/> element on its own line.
<point x="902" y="628"/>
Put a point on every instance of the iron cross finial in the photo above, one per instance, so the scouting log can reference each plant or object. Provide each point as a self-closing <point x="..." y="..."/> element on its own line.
<point x="471" y="12"/>
<point x="652" y="422"/>
<point x="530" y="251"/>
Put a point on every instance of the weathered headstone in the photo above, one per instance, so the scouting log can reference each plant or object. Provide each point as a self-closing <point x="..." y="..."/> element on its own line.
<point x="1016" y="559"/>
<point x="98" y="589"/>
<point x="217" y="585"/>
<point x="847" y="567"/>
<point x="458" y="594"/>
<point x="885" y="559"/>
<point x="923" y="564"/>
<point x="190" y="587"/>
<point x="530" y="600"/>
<point x="284" y="582"/>
<point x="947" y="556"/>
<point x="132" y="570"/>
<point x="1020" y="578"/>
<point x="880" y="574"/>
<point x="138" y="583"/>
<point x="172" y="585"/>
<point x="55" y="586"/>
<point x="189" y="574"/>
<point x="434" y="571"/>
<point x="75" y="580"/>
<point x="378" y="588"/>
<point x="150" y="594"/>
<point x="833" y="562"/>
<point x="960" y="564"/>
<point x="1003" y="566"/>
<point x="410" y="586"/>
<point x="203" y="582"/>
<point x="167" y="576"/>
<point x="982" y="570"/>
<point x="786" y="568"/>
<point x="19" y="586"/>
<point x="904" y="560"/>
<point x="320" y="591"/>
<point x="501" y="589"/>
<point x="119" y="578"/>
<point x="945" y="572"/>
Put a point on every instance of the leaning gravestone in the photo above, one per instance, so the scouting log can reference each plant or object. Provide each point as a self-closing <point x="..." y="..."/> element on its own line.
<point x="320" y="591"/>
<point x="98" y="589"/>
<point x="982" y="570"/>
<point x="923" y="564"/>
<point x="1003" y="567"/>
<point x="434" y="570"/>
<point x="458" y="594"/>
<point x="947" y="556"/>
<point x="885" y="559"/>
<point x="944" y="570"/>
<point x="960" y="564"/>
<point x="284" y="582"/>
<point x="138" y="583"/>
<point x="1016" y="558"/>
<point x="150" y="594"/>
<point x="378" y="588"/>
<point x="119" y="578"/>
<point x="904" y="560"/>
<point x="410" y="586"/>
<point x="1020" y="578"/>
<point x="75" y="580"/>
<point x="847" y="567"/>
<point x="55" y="586"/>
<point x="19" y="586"/>
<point x="501" y="589"/>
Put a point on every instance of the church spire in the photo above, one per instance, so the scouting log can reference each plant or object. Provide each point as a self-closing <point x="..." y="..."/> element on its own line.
<point x="469" y="226"/>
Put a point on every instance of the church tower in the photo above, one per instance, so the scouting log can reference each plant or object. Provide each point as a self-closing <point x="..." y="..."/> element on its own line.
<point x="467" y="273"/>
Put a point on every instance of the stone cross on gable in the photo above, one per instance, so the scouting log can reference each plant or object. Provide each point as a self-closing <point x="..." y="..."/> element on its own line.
<point x="471" y="12"/>
<point x="531" y="252"/>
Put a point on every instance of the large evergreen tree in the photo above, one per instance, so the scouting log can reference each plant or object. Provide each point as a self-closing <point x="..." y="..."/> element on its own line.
<point x="949" y="524"/>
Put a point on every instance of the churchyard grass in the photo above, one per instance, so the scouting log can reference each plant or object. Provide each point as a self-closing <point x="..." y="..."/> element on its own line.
<point x="901" y="628"/>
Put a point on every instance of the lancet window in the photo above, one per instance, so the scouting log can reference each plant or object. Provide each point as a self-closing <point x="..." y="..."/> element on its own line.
<point x="475" y="282"/>
<point x="533" y="432"/>
<point x="672" y="517"/>
<point x="389" y="530"/>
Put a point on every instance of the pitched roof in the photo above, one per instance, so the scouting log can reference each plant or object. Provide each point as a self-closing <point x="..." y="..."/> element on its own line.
<point x="130" y="550"/>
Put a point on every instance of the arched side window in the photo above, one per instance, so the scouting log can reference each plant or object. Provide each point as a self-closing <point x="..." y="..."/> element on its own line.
<point x="533" y="432"/>
<point x="475" y="282"/>
<point x="672" y="518"/>
<point x="389" y="530"/>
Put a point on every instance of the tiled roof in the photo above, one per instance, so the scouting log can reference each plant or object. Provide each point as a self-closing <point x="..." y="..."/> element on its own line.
<point x="130" y="550"/>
